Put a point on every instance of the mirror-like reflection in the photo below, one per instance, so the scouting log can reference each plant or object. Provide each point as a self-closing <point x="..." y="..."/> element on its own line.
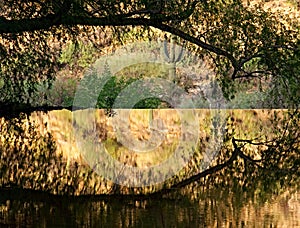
<point x="45" y="183"/>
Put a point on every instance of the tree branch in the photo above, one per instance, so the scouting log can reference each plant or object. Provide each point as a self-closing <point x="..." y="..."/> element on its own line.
<point x="209" y="171"/>
<point x="45" y="23"/>
<point x="196" y="41"/>
<point x="14" y="109"/>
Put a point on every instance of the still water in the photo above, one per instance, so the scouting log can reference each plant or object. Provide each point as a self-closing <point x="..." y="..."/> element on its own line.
<point x="214" y="210"/>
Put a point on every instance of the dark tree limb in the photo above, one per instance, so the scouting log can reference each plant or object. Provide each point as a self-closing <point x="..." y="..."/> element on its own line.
<point x="52" y="20"/>
<point x="213" y="169"/>
<point x="14" y="110"/>
<point x="206" y="46"/>
<point x="59" y="19"/>
<point x="205" y="173"/>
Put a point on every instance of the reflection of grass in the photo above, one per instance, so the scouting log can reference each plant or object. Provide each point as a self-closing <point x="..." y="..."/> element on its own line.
<point x="246" y="124"/>
<point x="249" y="123"/>
<point x="112" y="148"/>
<point x="140" y="129"/>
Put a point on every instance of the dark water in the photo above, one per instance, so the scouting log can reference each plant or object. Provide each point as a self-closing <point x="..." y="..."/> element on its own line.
<point x="208" y="211"/>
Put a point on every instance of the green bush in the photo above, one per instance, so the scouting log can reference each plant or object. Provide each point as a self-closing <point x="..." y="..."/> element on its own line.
<point x="78" y="54"/>
<point x="113" y="88"/>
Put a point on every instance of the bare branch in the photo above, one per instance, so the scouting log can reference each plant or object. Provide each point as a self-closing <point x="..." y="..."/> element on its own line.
<point x="196" y="41"/>
<point x="253" y="142"/>
<point x="252" y="74"/>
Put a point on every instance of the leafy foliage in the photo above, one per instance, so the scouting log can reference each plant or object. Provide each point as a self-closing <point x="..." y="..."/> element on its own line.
<point x="79" y="53"/>
<point x="230" y="34"/>
<point x="25" y="60"/>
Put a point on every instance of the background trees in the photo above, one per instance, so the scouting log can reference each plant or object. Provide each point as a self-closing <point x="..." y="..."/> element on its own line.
<point x="241" y="40"/>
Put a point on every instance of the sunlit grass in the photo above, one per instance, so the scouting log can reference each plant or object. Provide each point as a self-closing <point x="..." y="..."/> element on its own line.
<point x="246" y="124"/>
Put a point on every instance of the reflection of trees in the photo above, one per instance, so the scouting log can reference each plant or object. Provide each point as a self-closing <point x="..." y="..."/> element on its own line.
<point x="266" y="164"/>
<point x="25" y="154"/>
<point x="28" y="160"/>
<point x="217" y="208"/>
<point x="242" y="176"/>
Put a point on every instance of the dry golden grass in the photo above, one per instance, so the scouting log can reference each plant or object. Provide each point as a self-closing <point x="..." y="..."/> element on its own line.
<point x="137" y="130"/>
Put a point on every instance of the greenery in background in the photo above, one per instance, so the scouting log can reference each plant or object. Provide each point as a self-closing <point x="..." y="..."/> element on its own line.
<point x="236" y="35"/>
<point x="78" y="54"/>
<point x="63" y="89"/>
<point x="112" y="88"/>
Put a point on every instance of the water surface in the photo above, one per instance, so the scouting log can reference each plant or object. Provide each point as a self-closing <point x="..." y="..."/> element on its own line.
<point x="208" y="211"/>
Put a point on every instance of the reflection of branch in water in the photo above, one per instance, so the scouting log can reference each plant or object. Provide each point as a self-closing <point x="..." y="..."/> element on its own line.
<point x="211" y="170"/>
<point x="14" y="109"/>
<point x="236" y="153"/>
<point x="110" y="112"/>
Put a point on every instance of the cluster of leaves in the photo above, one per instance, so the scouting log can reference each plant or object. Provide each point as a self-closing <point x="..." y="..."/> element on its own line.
<point x="249" y="35"/>
<point x="25" y="61"/>
<point x="284" y="90"/>
<point x="79" y="53"/>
